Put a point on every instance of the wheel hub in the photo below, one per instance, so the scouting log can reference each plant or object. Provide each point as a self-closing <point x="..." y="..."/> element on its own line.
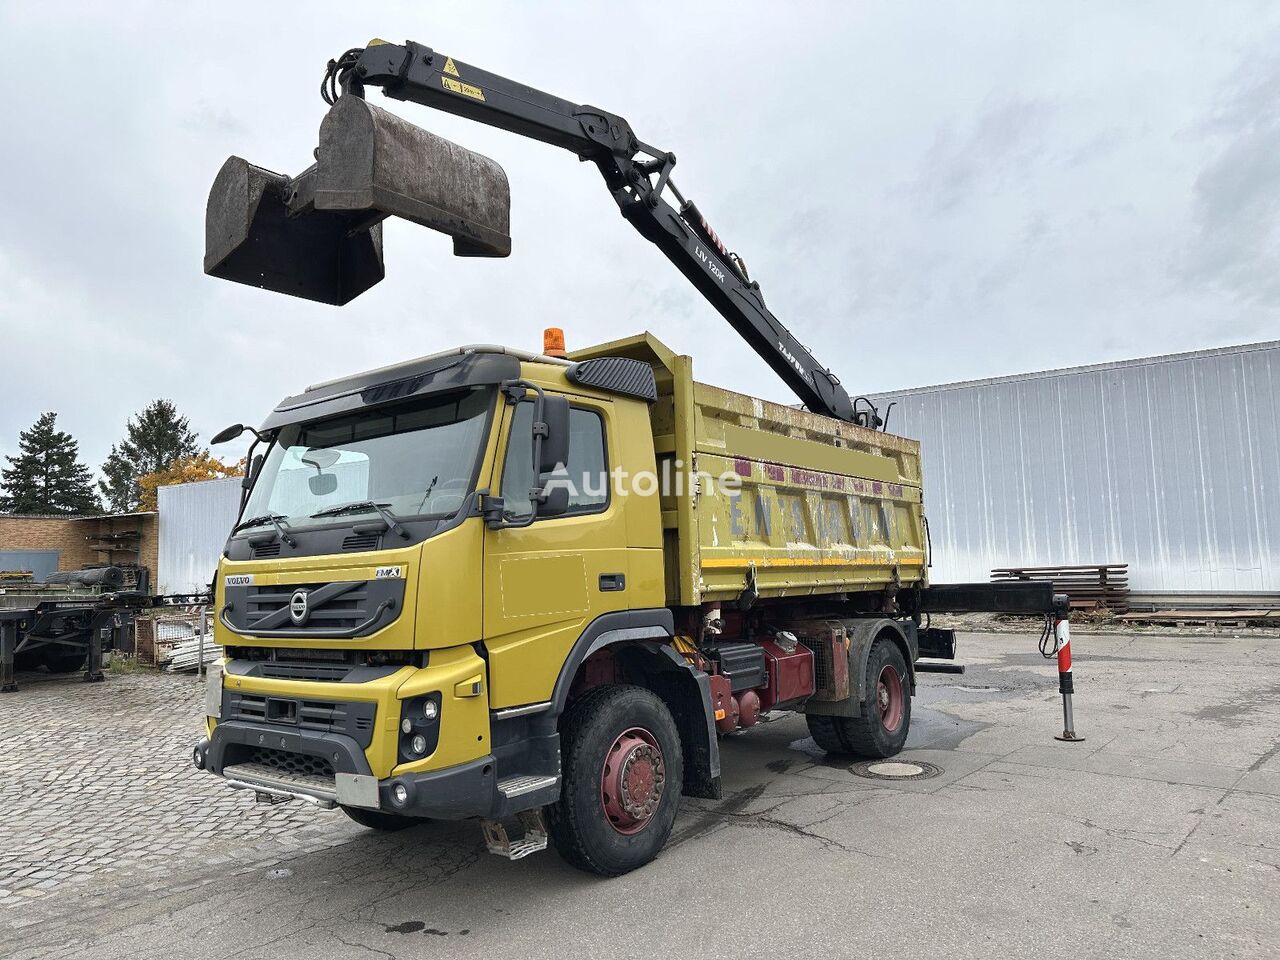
<point x="889" y="698"/>
<point x="632" y="780"/>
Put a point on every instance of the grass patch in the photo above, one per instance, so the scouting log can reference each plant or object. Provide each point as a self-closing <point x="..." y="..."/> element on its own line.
<point x="123" y="663"/>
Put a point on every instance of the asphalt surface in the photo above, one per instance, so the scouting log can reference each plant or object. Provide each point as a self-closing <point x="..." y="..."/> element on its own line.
<point x="1159" y="836"/>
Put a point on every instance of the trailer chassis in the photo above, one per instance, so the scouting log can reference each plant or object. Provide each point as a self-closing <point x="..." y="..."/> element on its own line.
<point x="92" y="626"/>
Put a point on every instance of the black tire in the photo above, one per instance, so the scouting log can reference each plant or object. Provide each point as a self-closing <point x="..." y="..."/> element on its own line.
<point x="826" y="733"/>
<point x="64" y="661"/>
<point x="378" y="820"/>
<point x="578" y="822"/>
<point x="870" y="735"/>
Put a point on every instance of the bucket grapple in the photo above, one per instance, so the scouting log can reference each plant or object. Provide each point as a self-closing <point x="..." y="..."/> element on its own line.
<point x="319" y="235"/>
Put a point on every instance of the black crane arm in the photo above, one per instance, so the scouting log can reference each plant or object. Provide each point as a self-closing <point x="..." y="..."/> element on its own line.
<point x="637" y="176"/>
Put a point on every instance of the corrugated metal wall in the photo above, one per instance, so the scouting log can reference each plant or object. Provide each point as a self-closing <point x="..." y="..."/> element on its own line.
<point x="1170" y="464"/>
<point x="195" y="519"/>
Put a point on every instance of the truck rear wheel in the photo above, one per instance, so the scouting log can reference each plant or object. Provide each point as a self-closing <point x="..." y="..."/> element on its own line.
<point x="378" y="820"/>
<point x="882" y="729"/>
<point x="622" y="775"/>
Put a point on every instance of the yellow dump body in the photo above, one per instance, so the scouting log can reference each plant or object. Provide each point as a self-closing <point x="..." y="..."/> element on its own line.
<point x="793" y="502"/>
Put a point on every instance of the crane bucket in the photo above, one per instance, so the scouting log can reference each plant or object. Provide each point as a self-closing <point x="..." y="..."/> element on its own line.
<point x="319" y="235"/>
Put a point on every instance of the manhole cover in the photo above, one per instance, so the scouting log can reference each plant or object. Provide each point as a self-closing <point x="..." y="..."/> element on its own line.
<point x="895" y="770"/>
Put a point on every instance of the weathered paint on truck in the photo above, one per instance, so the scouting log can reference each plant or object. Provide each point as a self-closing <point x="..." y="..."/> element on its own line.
<point x="823" y="506"/>
<point x="458" y="668"/>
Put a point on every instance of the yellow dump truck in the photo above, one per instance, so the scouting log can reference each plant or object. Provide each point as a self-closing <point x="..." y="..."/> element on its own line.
<point x="527" y="587"/>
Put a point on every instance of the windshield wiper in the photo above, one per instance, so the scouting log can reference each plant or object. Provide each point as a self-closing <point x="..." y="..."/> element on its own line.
<point x="361" y="506"/>
<point x="274" y="519"/>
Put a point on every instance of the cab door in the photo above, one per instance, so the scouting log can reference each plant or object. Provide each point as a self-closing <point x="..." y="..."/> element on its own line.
<point x="543" y="583"/>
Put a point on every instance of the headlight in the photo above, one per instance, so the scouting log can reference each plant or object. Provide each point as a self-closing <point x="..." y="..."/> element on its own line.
<point x="419" y="727"/>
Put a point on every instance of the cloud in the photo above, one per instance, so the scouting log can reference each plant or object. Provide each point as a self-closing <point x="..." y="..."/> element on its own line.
<point x="924" y="194"/>
<point x="994" y="151"/>
<point x="1236" y="244"/>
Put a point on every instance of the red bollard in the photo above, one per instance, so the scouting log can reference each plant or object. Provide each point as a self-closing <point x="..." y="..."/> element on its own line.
<point x="1062" y="645"/>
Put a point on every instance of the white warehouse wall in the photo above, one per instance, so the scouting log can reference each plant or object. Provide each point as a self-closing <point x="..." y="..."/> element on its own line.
<point x="1170" y="464"/>
<point x="195" y="520"/>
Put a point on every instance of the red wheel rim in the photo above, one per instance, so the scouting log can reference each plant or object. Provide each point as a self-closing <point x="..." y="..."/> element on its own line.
<point x="889" y="697"/>
<point x="631" y="780"/>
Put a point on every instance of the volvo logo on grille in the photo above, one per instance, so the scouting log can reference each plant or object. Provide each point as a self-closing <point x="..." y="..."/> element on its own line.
<point x="299" y="607"/>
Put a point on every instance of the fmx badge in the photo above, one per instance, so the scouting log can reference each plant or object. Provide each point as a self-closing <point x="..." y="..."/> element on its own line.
<point x="449" y="68"/>
<point x="388" y="573"/>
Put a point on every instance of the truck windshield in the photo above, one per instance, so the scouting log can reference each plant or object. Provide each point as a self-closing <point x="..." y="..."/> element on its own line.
<point x="413" y="459"/>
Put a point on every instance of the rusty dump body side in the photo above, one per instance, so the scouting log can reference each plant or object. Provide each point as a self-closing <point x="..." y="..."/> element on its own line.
<point x="823" y="507"/>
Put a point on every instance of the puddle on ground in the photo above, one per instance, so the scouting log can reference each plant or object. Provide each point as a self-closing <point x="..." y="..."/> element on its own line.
<point x="931" y="729"/>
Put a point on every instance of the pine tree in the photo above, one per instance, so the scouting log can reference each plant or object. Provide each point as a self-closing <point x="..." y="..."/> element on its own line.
<point x="154" y="440"/>
<point x="47" y="476"/>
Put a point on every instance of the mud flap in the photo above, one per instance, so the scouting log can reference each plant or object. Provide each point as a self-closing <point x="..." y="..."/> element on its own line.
<point x="319" y="235"/>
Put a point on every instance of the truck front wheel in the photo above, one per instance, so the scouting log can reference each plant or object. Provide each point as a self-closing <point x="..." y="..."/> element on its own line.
<point x="622" y="774"/>
<point x="882" y="729"/>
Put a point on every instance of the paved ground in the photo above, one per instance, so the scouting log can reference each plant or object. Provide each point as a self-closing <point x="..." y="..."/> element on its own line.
<point x="1158" y="837"/>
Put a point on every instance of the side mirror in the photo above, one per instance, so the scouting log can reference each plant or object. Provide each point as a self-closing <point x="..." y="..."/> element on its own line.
<point x="555" y="502"/>
<point x="224" y="436"/>
<point x="251" y="474"/>
<point x="323" y="484"/>
<point x="555" y="441"/>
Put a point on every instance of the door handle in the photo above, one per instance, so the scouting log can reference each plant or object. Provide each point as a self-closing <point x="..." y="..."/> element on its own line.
<point x="612" y="582"/>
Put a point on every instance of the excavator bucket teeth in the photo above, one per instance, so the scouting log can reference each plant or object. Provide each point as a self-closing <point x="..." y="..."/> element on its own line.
<point x="319" y="235"/>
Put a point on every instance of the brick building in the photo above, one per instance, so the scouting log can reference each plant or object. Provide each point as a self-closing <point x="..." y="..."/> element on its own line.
<point x="43" y="543"/>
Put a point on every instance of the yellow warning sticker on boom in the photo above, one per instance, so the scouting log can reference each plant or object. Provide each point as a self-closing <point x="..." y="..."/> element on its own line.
<point x="466" y="89"/>
<point x="449" y="68"/>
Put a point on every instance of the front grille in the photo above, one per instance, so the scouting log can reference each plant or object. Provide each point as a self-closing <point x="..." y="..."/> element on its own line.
<point x="361" y="541"/>
<point x="352" y="718"/>
<point x="294" y="764"/>
<point x="323" y="672"/>
<point x="347" y="609"/>
<point x="334" y="610"/>
<point x="266" y="550"/>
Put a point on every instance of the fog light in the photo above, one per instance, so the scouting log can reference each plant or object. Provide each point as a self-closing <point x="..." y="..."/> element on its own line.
<point x="406" y="725"/>
<point x="418" y="744"/>
<point x="400" y="794"/>
<point x="197" y="757"/>
<point x="430" y="710"/>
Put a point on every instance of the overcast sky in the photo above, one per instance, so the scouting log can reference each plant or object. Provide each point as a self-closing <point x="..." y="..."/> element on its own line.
<point x="926" y="192"/>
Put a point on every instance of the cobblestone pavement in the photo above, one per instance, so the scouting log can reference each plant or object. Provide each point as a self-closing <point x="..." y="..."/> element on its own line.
<point x="1159" y="836"/>
<point x="96" y="782"/>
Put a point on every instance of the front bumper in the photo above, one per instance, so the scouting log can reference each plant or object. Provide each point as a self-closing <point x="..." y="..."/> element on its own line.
<point x="330" y="770"/>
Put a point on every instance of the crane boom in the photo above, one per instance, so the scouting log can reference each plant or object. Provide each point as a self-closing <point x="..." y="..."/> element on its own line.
<point x="638" y="177"/>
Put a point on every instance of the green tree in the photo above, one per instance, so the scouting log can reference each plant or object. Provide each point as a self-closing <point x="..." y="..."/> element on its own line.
<point x="154" y="440"/>
<point x="47" y="476"/>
